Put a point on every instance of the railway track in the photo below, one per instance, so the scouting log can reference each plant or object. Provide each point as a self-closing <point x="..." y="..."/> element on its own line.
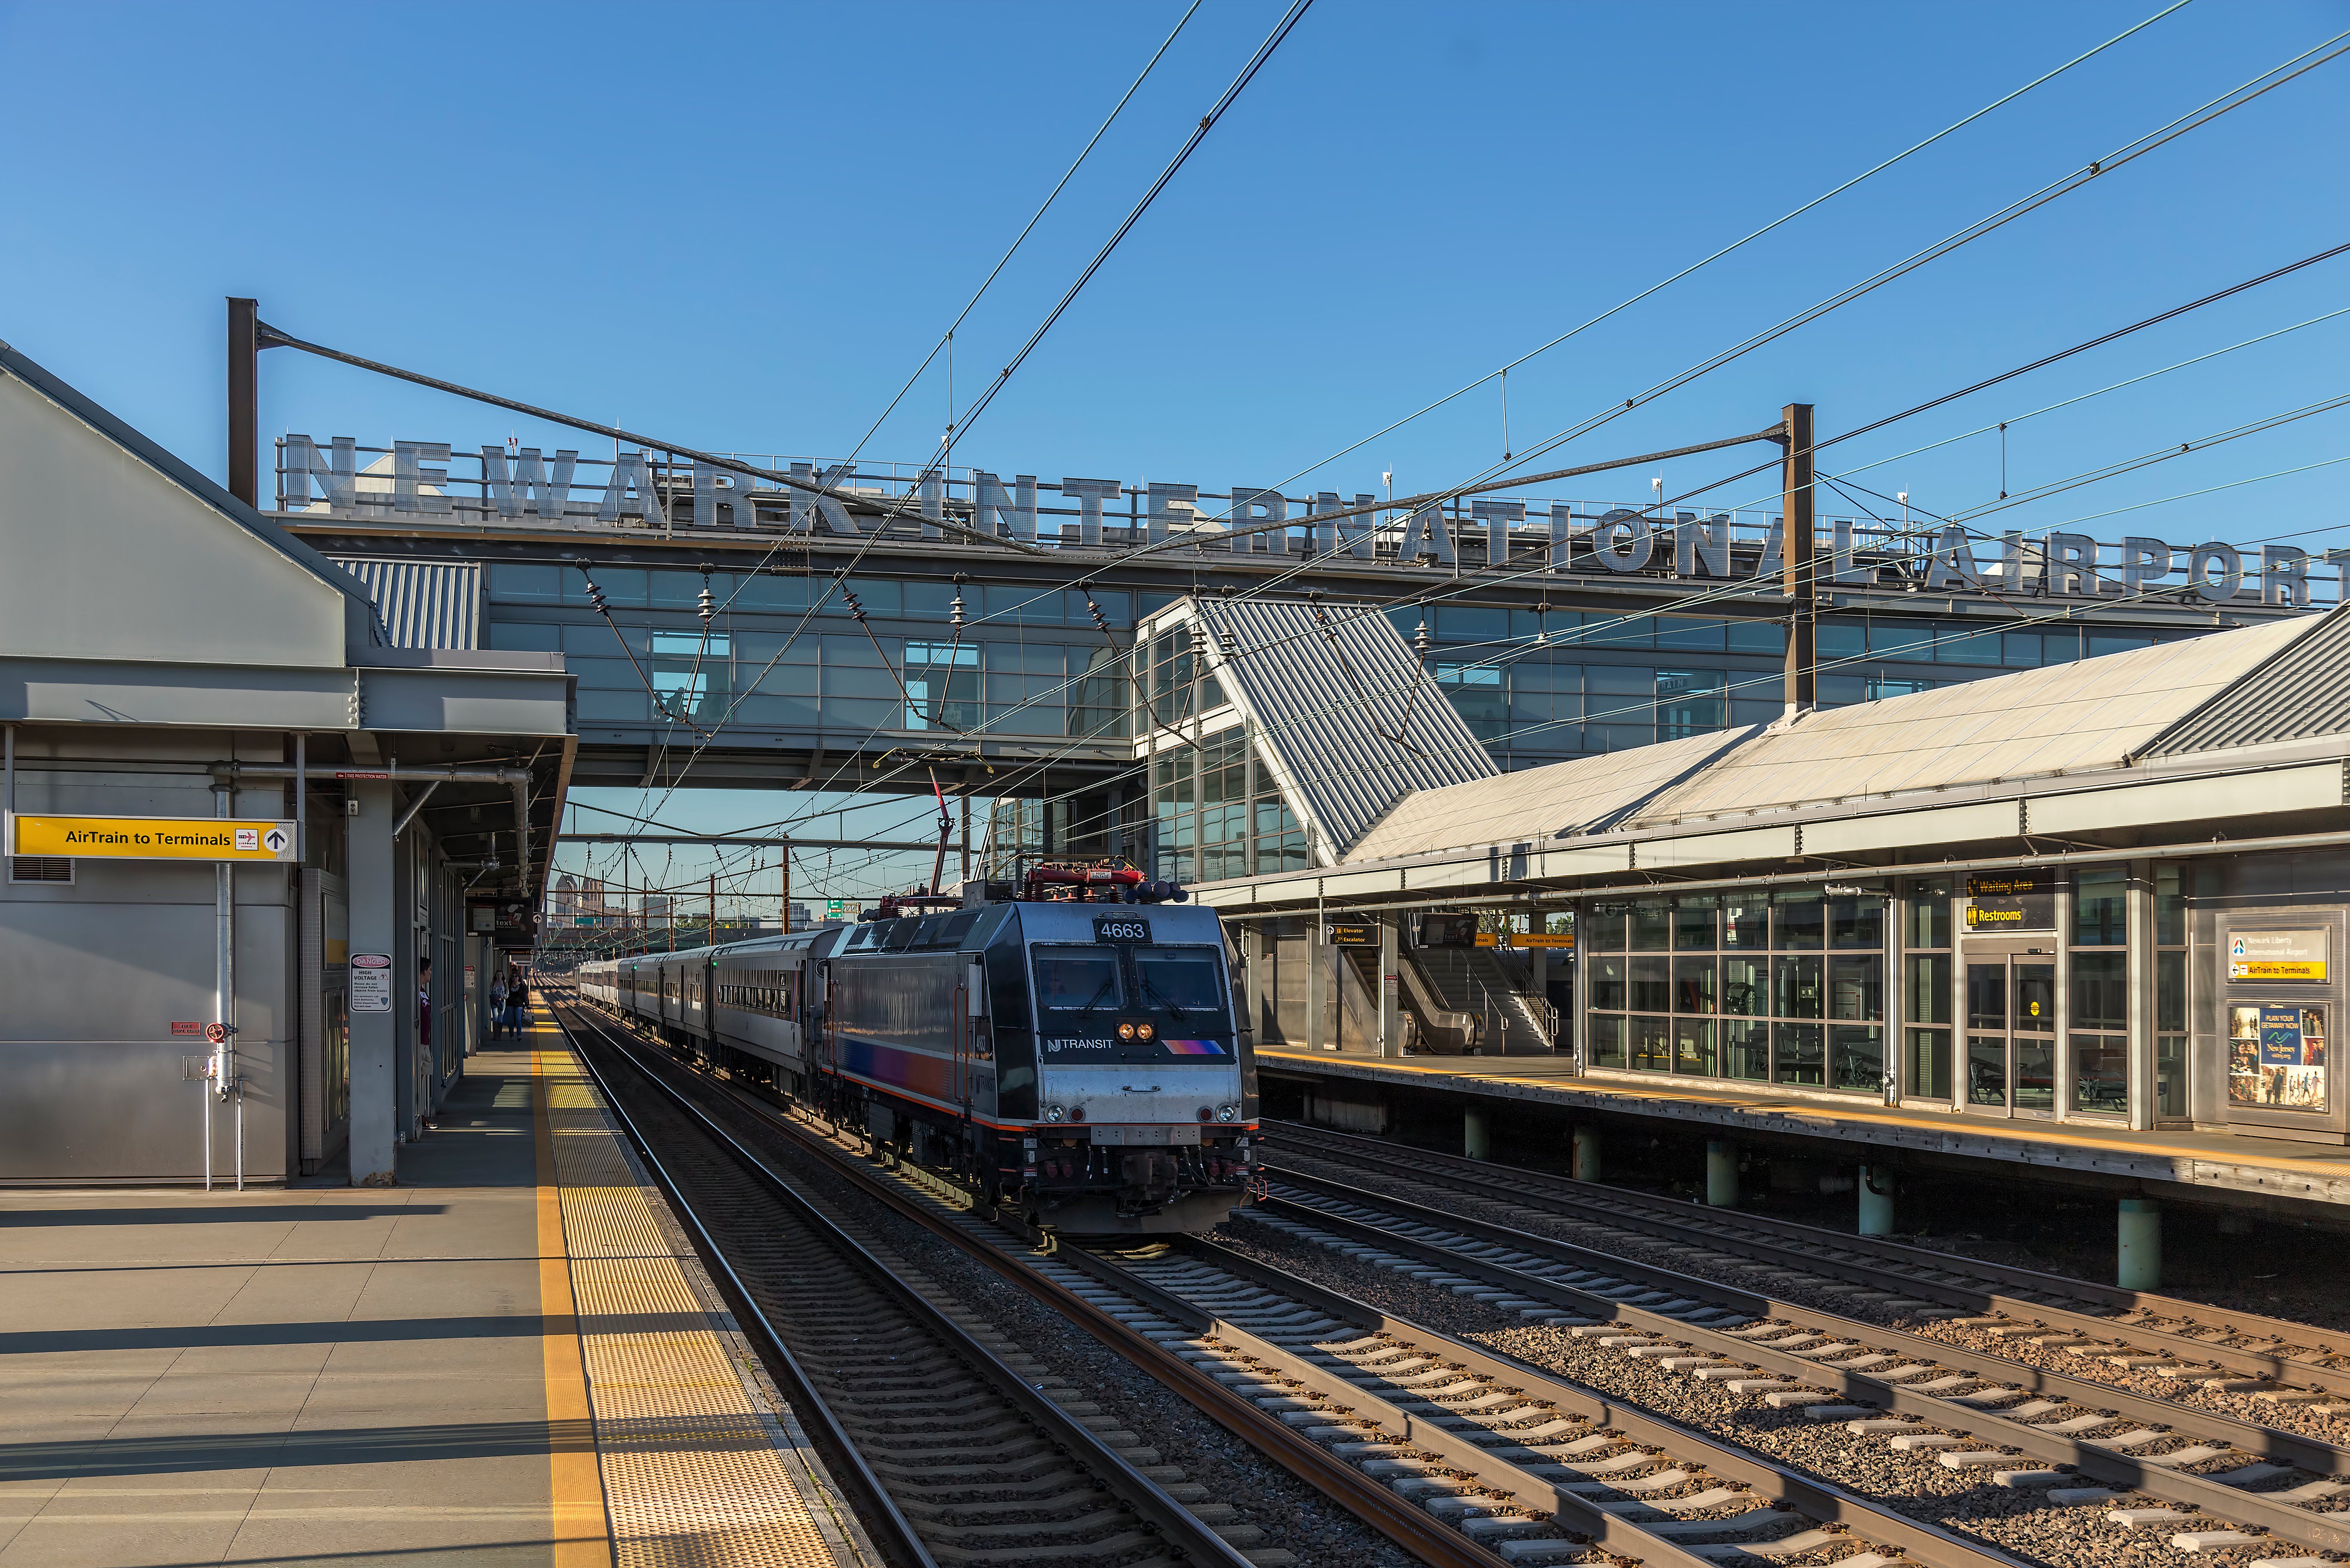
<point x="2213" y="1480"/>
<point x="2218" y="1344"/>
<point x="1462" y="1456"/>
<point x="960" y="1456"/>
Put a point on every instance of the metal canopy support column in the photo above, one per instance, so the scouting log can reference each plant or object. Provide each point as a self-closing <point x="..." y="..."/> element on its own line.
<point x="1799" y="567"/>
<point x="1391" y="1026"/>
<point x="1320" y="1027"/>
<point x="2143" y="1092"/>
<point x="373" y="915"/>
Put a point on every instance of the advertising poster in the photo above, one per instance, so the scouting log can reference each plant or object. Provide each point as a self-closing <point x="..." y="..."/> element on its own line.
<point x="2276" y="1057"/>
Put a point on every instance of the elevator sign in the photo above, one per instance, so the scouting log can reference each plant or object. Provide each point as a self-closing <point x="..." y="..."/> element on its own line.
<point x="151" y="837"/>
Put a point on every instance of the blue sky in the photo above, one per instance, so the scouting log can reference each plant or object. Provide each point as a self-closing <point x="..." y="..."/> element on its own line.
<point x="742" y="226"/>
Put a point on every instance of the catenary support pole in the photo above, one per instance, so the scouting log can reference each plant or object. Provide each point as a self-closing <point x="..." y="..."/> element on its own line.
<point x="373" y="915"/>
<point x="1721" y="1173"/>
<point x="225" y="1081"/>
<point x="2139" y="1265"/>
<point x="1475" y="1142"/>
<point x="244" y="401"/>
<point x="1799" y="567"/>
<point x="1875" y="1189"/>
<point x="1586" y="1153"/>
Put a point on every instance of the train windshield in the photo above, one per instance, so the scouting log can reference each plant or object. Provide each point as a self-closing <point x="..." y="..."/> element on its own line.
<point x="1183" y="982"/>
<point x="1078" y="980"/>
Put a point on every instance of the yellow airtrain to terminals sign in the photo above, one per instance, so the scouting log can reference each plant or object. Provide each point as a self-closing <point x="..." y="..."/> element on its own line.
<point x="151" y="837"/>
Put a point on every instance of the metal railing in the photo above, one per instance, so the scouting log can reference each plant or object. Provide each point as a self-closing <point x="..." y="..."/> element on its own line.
<point x="426" y="483"/>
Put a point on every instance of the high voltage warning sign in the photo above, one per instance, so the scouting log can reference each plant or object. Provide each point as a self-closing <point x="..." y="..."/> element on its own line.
<point x="151" y="837"/>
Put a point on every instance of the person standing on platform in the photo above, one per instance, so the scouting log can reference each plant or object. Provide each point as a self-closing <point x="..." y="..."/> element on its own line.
<point x="497" y="1007"/>
<point x="518" y="1002"/>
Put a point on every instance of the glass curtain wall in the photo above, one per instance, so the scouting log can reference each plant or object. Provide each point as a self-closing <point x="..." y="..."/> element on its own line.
<point x="2171" y="971"/>
<point x="2098" y="958"/>
<point x="1208" y="825"/>
<point x="1781" y="986"/>
<point x="1925" y="988"/>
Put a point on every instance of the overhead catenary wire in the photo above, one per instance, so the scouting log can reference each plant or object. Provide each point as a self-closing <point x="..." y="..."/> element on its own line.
<point x="1199" y="133"/>
<point x="1737" y="590"/>
<point x="1739" y="243"/>
<point x="2211" y="110"/>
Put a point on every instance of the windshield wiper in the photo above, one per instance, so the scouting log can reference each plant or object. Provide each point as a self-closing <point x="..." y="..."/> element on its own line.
<point x="1105" y="985"/>
<point x="1163" y="1002"/>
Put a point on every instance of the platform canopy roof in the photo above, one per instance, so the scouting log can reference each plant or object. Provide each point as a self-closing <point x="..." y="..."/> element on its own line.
<point x="2064" y="720"/>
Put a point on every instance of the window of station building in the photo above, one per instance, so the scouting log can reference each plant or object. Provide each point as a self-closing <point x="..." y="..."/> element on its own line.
<point x="692" y="673"/>
<point x="1690" y="633"/>
<point x="1099" y="695"/>
<point x="942" y="685"/>
<point x="1223" y="807"/>
<point x="2171" y="971"/>
<point x="1786" y="987"/>
<point x="1172" y="800"/>
<point x="1925" y="988"/>
<point x="1691" y="702"/>
<point x="1470" y="623"/>
<point x="1479" y="694"/>
<point x="2099" y="996"/>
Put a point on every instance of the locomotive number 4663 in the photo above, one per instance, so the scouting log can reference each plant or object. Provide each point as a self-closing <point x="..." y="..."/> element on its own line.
<point x="1107" y="929"/>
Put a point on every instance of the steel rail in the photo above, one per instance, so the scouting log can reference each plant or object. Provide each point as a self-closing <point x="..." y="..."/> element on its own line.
<point x="897" y="1532"/>
<point x="1927" y="1544"/>
<point x="1816" y="1250"/>
<point x="1174" y="1522"/>
<point x="1409" y="1527"/>
<point x="2329" y="1532"/>
<point x="2310" y="1453"/>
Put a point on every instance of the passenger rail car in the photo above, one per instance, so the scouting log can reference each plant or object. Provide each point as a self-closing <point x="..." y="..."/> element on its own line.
<point x="1078" y="1061"/>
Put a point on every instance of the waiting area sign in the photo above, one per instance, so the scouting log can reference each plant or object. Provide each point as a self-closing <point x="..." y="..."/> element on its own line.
<point x="151" y="837"/>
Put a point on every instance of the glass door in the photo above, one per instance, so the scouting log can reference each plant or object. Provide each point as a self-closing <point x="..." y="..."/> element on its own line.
<point x="2012" y="1036"/>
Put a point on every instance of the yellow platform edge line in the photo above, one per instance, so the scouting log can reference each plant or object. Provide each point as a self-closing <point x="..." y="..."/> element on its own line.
<point x="1857" y="1115"/>
<point x="581" y="1529"/>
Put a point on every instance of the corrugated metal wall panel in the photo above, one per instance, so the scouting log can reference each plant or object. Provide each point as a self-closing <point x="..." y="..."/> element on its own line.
<point x="1346" y="716"/>
<point x="2297" y="694"/>
<point x="422" y="604"/>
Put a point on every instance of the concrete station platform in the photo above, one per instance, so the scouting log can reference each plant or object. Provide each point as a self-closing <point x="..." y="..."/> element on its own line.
<point x="2223" y="1167"/>
<point x="512" y="1358"/>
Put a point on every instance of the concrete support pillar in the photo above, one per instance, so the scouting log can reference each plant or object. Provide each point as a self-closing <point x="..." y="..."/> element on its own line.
<point x="374" y="915"/>
<point x="1875" y="1187"/>
<point x="1721" y="1173"/>
<point x="1586" y="1153"/>
<point x="1321" y="1029"/>
<point x="1474" y="1140"/>
<point x="2140" y="1251"/>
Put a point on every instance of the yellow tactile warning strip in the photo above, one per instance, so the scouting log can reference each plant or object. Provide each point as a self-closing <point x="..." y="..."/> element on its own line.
<point x="581" y="1536"/>
<point x="2293" y="1158"/>
<point x="696" y="1470"/>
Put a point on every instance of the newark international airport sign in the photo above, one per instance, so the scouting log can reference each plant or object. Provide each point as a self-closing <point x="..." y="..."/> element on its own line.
<point x="515" y="486"/>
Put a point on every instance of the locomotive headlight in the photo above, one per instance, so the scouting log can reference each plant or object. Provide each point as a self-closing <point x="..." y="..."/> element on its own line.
<point x="1126" y="1031"/>
<point x="1146" y="1031"/>
<point x="1054" y="1113"/>
<point x="1228" y="1113"/>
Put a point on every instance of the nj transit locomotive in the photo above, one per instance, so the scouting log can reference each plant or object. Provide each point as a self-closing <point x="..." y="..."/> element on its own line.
<point x="1076" y="1059"/>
